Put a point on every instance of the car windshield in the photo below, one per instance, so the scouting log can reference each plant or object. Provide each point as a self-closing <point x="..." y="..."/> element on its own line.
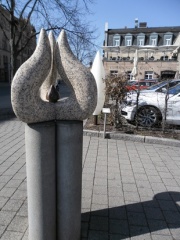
<point x="154" y="86"/>
<point x="174" y="90"/>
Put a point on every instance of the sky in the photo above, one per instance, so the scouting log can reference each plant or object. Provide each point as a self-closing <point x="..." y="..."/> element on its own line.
<point x="121" y="13"/>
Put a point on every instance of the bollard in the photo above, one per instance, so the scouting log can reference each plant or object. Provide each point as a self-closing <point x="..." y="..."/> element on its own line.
<point x="41" y="180"/>
<point x="105" y="111"/>
<point x="69" y="178"/>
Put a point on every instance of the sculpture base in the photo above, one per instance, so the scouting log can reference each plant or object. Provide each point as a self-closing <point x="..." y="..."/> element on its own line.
<point x="69" y="179"/>
<point x="54" y="179"/>
<point x="41" y="180"/>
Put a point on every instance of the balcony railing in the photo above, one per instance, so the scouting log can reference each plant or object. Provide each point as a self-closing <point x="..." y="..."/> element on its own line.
<point x="140" y="59"/>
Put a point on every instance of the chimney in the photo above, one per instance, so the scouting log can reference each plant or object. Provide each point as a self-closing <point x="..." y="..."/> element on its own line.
<point x="136" y="22"/>
<point x="143" y="24"/>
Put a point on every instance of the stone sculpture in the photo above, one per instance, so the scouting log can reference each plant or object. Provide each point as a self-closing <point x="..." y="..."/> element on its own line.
<point x="38" y="73"/>
<point x="53" y="136"/>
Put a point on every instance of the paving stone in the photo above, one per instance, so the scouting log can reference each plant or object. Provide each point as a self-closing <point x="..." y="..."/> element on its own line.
<point x="19" y="224"/>
<point x="160" y="237"/>
<point x="19" y="195"/>
<point x="139" y="232"/>
<point x="99" y="199"/>
<point x="175" y="231"/>
<point x="97" y="235"/>
<point x="2" y="229"/>
<point x="13" y="183"/>
<point x="137" y="219"/>
<point x="99" y="210"/>
<point x="7" y="192"/>
<point x="119" y="227"/>
<point x="116" y="201"/>
<point x="10" y="235"/>
<point x="172" y="217"/>
<point x="6" y="217"/>
<point x="99" y="223"/>
<point x="23" y="211"/>
<point x="12" y="205"/>
<point x="153" y="213"/>
<point x="3" y="201"/>
<point x="115" y="191"/>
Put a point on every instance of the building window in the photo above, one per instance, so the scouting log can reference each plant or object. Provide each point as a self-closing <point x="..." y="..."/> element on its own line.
<point x="116" y="40"/>
<point x="113" y="72"/>
<point x="148" y="75"/>
<point x="153" y="39"/>
<point x="128" y="40"/>
<point x="129" y="75"/>
<point x="168" y="39"/>
<point x="140" y="39"/>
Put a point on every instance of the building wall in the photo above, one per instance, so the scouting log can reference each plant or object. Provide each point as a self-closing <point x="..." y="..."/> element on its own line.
<point x="143" y="67"/>
<point x="5" y="47"/>
<point x="119" y="59"/>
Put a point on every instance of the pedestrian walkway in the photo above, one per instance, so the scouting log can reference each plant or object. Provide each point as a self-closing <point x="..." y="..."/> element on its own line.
<point x="130" y="190"/>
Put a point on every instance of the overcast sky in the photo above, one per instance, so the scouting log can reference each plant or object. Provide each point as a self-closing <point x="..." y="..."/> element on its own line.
<point x="121" y="13"/>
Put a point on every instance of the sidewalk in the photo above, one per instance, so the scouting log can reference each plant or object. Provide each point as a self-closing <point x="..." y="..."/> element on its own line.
<point x="130" y="190"/>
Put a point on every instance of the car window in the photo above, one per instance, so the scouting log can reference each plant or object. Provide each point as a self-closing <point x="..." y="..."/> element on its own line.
<point x="171" y="84"/>
<point x="174" y="90"/>
<point x="153" y="87"/>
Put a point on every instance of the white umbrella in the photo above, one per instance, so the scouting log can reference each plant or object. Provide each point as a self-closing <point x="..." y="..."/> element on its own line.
<point x="134" y="70"/>
<point x="99" y="75"/>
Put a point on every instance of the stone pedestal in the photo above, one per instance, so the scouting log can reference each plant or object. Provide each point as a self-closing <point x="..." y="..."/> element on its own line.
<point x="41" y="180"/>
<point x="69" y="179"/>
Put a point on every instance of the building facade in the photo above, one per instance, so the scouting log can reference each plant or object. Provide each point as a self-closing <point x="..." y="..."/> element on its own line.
<point x="5" y="46"/>
<point x="153" y="52"/>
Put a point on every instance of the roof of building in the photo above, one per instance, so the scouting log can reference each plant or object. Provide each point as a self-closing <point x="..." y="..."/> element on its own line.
<point x="144" y="30"/>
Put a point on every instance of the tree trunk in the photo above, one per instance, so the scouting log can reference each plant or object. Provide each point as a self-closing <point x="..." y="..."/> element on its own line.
<point x="12" y="39"/>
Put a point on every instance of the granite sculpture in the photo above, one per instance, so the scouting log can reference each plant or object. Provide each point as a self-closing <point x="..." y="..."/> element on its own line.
<point x="34" y="78"/>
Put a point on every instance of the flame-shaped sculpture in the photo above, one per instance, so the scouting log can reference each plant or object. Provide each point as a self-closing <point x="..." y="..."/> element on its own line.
<point x="99" y="75"/>
<point x="34" y="78"/>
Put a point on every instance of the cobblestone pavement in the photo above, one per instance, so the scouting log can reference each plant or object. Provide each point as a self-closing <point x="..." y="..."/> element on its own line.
<point x="130" y="190"/>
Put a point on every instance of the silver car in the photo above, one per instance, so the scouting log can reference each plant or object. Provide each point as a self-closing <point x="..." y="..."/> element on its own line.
<point x="151" y="108"/>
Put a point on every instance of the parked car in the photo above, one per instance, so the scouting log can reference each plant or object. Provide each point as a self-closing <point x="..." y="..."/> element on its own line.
<point x="141" y="84"/>
<point x="151" y="108"/>
<point x="158" y="87"/>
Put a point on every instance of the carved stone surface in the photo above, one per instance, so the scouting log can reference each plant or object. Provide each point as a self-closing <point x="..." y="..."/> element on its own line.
<point x="83" y="99"/>
<point x="51" y="78"/>
<point x="25" y="94"/>
<point x="33" y="79"/>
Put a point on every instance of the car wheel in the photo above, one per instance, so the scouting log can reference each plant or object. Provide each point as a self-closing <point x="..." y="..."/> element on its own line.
<point x="148" y="116"/>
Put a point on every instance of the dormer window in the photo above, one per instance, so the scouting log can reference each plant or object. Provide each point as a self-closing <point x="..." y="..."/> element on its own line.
<point x="140" y="39"/>
<point x="153" y="39"/>
<point x="168" y="39"/>
<point x="116" y="40"/>
<point x="128" y="40"/>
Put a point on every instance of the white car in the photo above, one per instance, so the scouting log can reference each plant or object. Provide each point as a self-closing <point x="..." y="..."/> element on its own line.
<point x="151" y="108"/>
<point x="158" y="87"/>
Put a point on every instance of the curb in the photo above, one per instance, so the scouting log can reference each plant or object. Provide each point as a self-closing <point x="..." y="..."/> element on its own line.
<point x="135" y="138"/>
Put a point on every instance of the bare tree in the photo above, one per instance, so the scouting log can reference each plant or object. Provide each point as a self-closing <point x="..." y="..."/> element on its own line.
<point x="115" y="93"/>
<point x="81" y="44"/>
<point x="54" y="15"/>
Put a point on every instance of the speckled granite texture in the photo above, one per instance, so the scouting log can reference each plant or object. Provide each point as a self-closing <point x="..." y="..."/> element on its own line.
<point x="38" y="73"/>
<point x="51" y="78"/>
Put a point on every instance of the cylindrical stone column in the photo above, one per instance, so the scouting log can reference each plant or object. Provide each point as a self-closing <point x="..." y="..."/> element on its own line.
<point x="69" y="179"/>
<point x="41" y="180"/>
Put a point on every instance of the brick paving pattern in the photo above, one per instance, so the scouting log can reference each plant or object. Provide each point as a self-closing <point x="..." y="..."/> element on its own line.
<point x="130" y="190"/>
